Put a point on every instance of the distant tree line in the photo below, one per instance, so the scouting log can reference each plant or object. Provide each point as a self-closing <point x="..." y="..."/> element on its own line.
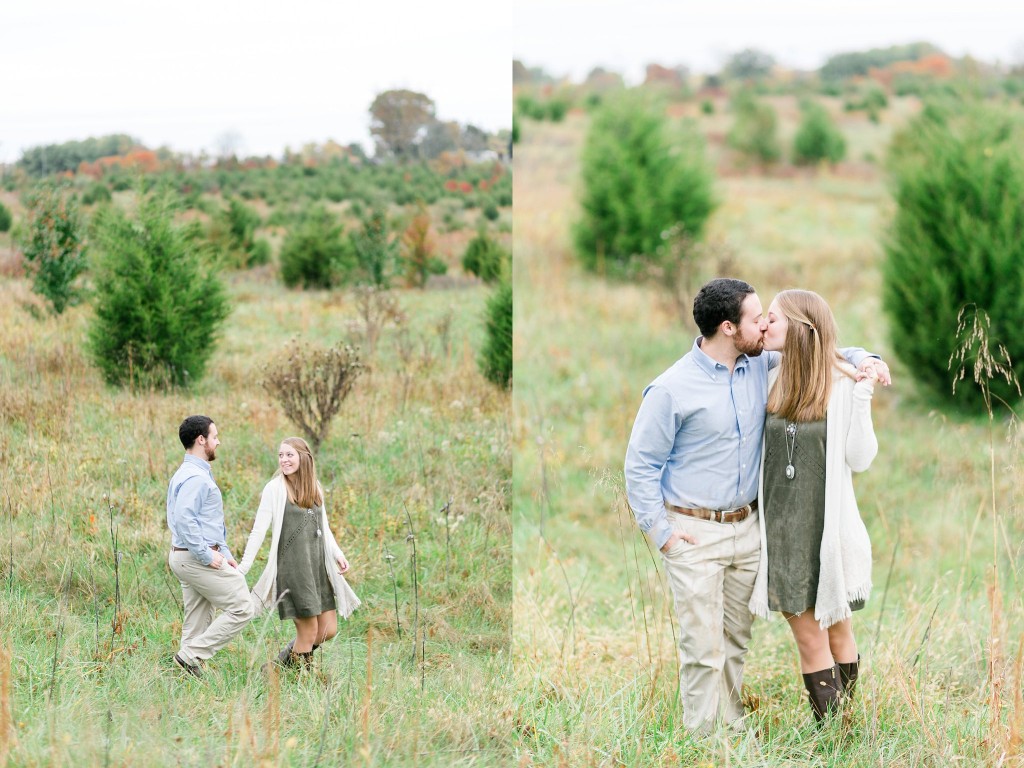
<point x="403" y="123"/>
<point x="67" y="156"/>
<point x="844" y="65"/>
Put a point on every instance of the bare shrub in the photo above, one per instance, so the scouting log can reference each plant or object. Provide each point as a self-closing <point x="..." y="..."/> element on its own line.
<point x="378" y="308"/>
<point x="682" y="266"/>
<point x="310" y="385"/>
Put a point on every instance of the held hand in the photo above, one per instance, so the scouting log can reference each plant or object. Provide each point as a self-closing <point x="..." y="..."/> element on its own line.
<point x="232" y="563"/>
<point x="217" y="562"/>
<point x="342" y="565"/>
<point x="880" y="371"/>
<point x="676" y="537"/>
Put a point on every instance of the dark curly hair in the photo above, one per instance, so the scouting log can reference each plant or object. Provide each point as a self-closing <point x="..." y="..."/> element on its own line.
<point x="719" y="300"/>
<point x="192" y="428"/>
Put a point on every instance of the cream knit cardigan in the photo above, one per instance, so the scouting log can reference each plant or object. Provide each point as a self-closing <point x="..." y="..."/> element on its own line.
<point x="271" y="510"/>
<point x="850" y="446"/>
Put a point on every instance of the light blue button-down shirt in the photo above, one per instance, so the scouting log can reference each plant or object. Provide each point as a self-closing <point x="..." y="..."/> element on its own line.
<point x="195" y="511"/>
<point x="696" y="441"/>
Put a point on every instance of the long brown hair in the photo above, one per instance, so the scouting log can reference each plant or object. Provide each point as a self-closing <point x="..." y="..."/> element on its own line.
<point x="809" y="357"/>
<point x="302" y="485"/>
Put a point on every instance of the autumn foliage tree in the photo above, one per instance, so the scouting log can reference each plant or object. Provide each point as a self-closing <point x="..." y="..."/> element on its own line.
<point x="53" y="243"/>
<point x="399" y="120"/>
<point x="418" y="249"/>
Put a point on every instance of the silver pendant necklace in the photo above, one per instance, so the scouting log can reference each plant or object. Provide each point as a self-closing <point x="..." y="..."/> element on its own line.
<point x="790" y="447"/>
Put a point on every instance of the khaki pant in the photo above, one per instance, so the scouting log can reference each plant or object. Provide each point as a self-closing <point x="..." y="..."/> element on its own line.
<point x="205" y="589"/>
<point x="711" y="584"/>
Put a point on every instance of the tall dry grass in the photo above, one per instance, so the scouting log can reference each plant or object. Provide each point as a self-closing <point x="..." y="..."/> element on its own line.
<point x="596" y="662"/>
<point x="91" y="613"/>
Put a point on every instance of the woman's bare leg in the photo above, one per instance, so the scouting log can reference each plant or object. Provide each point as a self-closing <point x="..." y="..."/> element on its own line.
<point x="811" y="641"/>
<point x="305" y="634"/>
<point x="326" y="626"/>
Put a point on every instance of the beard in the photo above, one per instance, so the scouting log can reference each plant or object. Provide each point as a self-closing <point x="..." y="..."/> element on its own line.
<point x="211" y="453"/>
<point x="749" y="346"/>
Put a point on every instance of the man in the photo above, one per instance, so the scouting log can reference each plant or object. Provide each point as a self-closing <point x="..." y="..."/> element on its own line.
<point x="200" y="557"/>
<point x="692" y="469"/>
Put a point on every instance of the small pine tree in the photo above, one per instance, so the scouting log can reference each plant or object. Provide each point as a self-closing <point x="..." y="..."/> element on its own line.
<point x="418" y="248"/>
<point x="754" y="131"/>
<point x="159" y="303"/>
<point x="5" y="218"/>
<point x="496" y="357"/>
<point x="376" y="251"/>
<point x="955" y="240"/>
<point x="638" y="182"/>
<point x="233" y="233"/>
<point x="314" y="254"/>
<point x="97" y="193"/>
<point x="817" y="139"/>
<point x="53" y="243"/>
<point x="485" y="258"/>
<point x="242" y="222"/>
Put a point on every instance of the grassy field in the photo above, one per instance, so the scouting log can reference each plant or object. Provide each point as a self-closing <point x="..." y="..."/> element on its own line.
<point x="90" y="614"/>
<point x="595" y="657"/>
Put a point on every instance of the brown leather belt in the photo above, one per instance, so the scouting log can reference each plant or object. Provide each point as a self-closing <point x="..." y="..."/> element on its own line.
<point x="214" y="547"/>
<point x="716" y="515"/>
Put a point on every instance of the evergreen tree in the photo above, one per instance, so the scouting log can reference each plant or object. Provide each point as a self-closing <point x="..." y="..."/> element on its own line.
<point x="638" y="183"/>
<point x="496" y="358"/>
<point x="376" y="251"/>
<point x="754" y="131"/>
<point x="314" y="253"/>
<point x="5" y="218"/>
<point x="159" y="303"/>
<point x="818" y="139"/>
<point x="955" y="241"/>
<point x="485" y="258"/>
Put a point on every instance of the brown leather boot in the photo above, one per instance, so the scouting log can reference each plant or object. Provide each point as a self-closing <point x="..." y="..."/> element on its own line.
<point x="848" y="676"/>
<point x="824" y="689"/>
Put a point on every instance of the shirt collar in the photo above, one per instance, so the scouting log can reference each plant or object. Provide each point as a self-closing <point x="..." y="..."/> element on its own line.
<point x="711" y="366"/>
<point x="190" y="459"/>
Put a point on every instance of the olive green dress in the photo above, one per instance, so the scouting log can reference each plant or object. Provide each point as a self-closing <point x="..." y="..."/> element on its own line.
<point x="794" y="513"/>
<point x="301" y="568"/>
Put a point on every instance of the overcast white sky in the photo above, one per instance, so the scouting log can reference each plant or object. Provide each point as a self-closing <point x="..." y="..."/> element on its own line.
<point x="571" y="37"/>
<point x="281" y="73"/>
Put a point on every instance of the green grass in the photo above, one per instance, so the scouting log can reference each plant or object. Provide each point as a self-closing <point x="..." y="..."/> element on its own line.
<point x="594" y="639"/>
<point x="89" y="630"/>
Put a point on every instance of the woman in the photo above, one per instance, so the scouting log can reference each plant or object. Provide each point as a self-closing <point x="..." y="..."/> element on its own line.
<point x="815" y="553"/>
<point x="304" y="569"/>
